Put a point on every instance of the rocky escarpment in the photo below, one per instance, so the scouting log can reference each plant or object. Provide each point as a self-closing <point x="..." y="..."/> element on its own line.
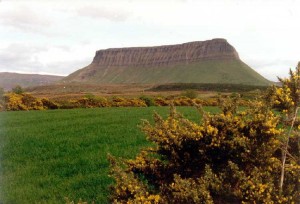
<point x="211" y="61"/>
<point x="166" y="55"/>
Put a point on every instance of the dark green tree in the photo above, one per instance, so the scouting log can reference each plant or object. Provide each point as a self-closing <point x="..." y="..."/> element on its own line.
<point x="18" y="89"/>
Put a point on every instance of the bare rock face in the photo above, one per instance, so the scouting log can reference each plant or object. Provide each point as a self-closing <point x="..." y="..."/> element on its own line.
<point x="165" y="55"/>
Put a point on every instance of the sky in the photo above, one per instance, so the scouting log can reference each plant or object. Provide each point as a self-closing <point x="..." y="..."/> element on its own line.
<point x="60" y="37"/>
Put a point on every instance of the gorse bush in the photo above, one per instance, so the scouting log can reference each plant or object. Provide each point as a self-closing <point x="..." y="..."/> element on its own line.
<point x="91" y="102"/>
<point x="287" y="100"/>
<point x="125" y="102"/>
<point x="230" y="157"/>
<point x="287" y="97"/>
<point x="25" y="101"/>
<point x="15" y="102"/>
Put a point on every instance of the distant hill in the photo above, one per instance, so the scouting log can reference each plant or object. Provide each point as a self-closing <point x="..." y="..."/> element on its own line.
<point x="211" y="61"/>
<point x="9" y="80"/>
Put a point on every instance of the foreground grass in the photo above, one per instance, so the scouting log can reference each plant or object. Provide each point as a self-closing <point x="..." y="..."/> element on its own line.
<point x="46" y="156"/>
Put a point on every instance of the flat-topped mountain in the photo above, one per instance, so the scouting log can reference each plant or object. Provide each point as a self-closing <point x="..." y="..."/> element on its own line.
<point x="9" y="80"/>
<point x="165" y="55"/>
<point x="211" y="61"/>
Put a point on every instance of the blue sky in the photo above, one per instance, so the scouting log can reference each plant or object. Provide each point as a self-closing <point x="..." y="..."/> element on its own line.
<point x="59" y="37"/>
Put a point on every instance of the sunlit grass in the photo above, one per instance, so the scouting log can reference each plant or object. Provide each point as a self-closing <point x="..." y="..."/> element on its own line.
<point x="49" y="155"/>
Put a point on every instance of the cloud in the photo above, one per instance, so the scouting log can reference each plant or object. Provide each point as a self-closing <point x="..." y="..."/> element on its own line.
<point x="28" y="58"/>
<point x="271" y="69"/>
<point x="65" y="68"/>
<point x="112" y="14"/>
<point x="24" y="18"/>
<point x="20" y="57"/>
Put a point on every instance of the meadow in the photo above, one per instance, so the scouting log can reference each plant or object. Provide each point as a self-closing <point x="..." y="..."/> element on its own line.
<point x="49" y="155"/>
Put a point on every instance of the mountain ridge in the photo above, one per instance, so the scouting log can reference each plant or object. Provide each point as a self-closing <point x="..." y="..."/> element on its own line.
<point x="8" y="80"/>
<point x="166" y="54"/>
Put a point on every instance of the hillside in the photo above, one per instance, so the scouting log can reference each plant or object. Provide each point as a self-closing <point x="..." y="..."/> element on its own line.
<point x="10" y="80"/>
<point x="211" y="61"/>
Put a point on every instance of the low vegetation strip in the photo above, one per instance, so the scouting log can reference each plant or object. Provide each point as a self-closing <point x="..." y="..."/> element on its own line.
<point x="49" y="155"/>
<point x="208" y="87"/>
<point x="23" y="101"/>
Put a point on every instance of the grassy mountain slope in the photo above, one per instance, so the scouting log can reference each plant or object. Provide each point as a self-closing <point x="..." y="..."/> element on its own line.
<point x="227" y="71"/>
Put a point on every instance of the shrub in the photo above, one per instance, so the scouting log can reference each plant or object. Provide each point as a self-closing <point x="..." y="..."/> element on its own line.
<point x="31" y="102"/>
<point x="148" y="100"/>
<point x="1" y="98"/>
<point x="48" y="104"/>
<point x="13" y="101"/>
<point x="68" y="104"/>
<point x="230" y="157"/>
<point x="192" y="94"/>
<point x="159" y="101"/>
<point x="17" y="89"/>
<point x="125" y="102"/>
<point x="287" y="100"/>
<point x="91" y="102"/>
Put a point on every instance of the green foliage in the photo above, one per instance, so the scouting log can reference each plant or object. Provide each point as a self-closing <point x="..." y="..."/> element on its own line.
<point x="91" y="102"/>
<point x="218" y="87"/>
<point x="148" y="100"/>
<point x="17" y="89"/>
<point x="192" y="94"/>
<point x="229" y="157"/>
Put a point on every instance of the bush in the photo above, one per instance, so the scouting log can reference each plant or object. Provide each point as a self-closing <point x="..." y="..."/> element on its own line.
<point x="230" y="157"/>
<point x="13" y="102"/>
<point x="148" y="100"/>
<point x="192" y="94"/>
<point x="48" y="104"/>
<point x="160" y="101"/>
<point x="17" y="89"/>
<point x="91" y="102"/>
<point x="1" y="98"/>
<point x="31" y="102"/>
<point x="125" y="102"/>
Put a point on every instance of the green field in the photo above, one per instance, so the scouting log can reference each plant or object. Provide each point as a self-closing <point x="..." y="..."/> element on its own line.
<point x="49" y="155"/>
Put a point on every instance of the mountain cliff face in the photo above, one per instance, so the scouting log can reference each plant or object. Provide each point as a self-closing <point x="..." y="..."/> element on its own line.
<point x="165" y="55"/>
<point x="211" y="61"/>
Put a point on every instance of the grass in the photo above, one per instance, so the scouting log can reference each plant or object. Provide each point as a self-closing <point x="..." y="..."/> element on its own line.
<point x="205" y="71"/>
<point x="49" y="155"/>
